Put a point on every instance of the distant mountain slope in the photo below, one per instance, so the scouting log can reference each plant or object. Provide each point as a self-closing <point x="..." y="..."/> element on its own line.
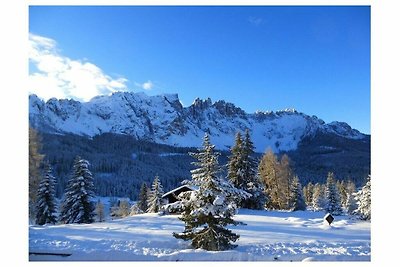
<point x="162" y="119"/>
<point x="121" y="163"/>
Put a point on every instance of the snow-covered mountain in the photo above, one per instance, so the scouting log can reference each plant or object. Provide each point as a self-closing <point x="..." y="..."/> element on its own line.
<point x="163" y="119"/>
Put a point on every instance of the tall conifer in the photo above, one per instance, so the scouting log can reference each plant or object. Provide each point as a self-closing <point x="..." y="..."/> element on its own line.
<point x="208" y="210"/>
<point x="46" y="203"/>
<point x="78" y="206"/>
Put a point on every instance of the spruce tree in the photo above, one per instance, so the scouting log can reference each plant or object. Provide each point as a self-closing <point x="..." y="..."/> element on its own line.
<point x="46" y="204"/>
<point x="253" y="185"/>
<point x="296" y="195"/>
<point x="350" y="203"/>
<point x="77" y="206"/>
<point x="143" y="196"/>
<point x="208" y="210"/>
<point x="235" y="164"/>
<point x="363" y="198"/>
<point x="333" y="203"/>
<point x="155" y="196"/>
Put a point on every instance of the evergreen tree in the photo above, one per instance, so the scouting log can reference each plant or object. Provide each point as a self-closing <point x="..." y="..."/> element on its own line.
<point x="46" y="204"/>
<point x="235" y="164"/>
<point x="363" y="198"/>
<point x="254" y="185"/>
<point x="143" y="196"/>
<point x="333" y="203"/>
<point x="208" y="210"/>
<point x="318" y="199"/>
<point x="351" y="204"/>
<point x="99" y="210"/>
<point x="242" y="172"/>
<point x="35" y="160"/>
<point x="77" y="206"/>
<point x="308" y="194"/>
<point x="155" y="196"/>
<point x="296" y="196"/>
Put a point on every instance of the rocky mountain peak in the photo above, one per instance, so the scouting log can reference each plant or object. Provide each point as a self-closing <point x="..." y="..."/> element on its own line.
<point x="163" y="119"/>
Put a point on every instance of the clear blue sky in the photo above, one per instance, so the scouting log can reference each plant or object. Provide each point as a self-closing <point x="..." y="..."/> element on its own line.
<point x="313" y="59"/>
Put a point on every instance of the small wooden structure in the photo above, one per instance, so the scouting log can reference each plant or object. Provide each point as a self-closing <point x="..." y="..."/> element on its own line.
<point x="172" y="196"/>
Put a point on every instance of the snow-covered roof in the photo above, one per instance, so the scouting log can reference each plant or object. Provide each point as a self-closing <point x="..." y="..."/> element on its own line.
<point x="179" y="188"/>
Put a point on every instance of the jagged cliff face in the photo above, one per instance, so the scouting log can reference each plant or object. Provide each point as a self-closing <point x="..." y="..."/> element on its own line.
<point x="163" y="119"/>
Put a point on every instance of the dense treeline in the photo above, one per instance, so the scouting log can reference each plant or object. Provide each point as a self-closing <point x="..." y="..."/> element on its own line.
<point x="317" y="155"/>
<point x="119" y="163"/>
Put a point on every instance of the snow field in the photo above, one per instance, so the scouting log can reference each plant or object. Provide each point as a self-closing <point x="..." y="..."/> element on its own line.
<point x="264" y="236"/>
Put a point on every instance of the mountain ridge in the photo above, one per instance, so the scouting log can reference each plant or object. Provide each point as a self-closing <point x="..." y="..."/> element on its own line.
<point x="163" y="119"/>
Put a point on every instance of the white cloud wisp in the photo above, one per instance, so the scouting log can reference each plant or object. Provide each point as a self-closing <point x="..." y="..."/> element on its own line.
<point x="146" y="85"/>
<point x="61" y="77"/>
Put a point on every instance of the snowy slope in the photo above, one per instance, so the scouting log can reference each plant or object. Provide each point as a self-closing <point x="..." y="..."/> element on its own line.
<point x="267" y="236"/>
<point x="163" y="119"/>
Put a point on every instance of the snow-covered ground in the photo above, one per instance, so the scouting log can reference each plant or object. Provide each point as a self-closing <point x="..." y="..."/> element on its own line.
<point x="267" y="236"/>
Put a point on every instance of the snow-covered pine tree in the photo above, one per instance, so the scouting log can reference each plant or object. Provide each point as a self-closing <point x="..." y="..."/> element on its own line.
<point x="235" y="164"/>
<point x="46" y="204"/>
<point x="333" y="202"/>
<point x="143" y="196"/>
<point x="363" y="198"/>
<point x="296" y="195"/>
<point x="208" y="210"/>
<point x="78" y="206"/>
<point x="350" y="204"/>
<point x="253" y="185"/>
<point x="318" y="198"/>
<point x="155" y="196"/>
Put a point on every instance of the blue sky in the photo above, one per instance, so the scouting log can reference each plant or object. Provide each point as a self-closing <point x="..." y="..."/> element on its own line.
<point x="313" y="59"/>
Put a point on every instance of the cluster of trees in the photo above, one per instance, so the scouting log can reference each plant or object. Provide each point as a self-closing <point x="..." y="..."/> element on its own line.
<point x="272" y="184"/>
<point x="150" y="200"/>
<point x="77" y="204"/>
<point x="339" y="197"/>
